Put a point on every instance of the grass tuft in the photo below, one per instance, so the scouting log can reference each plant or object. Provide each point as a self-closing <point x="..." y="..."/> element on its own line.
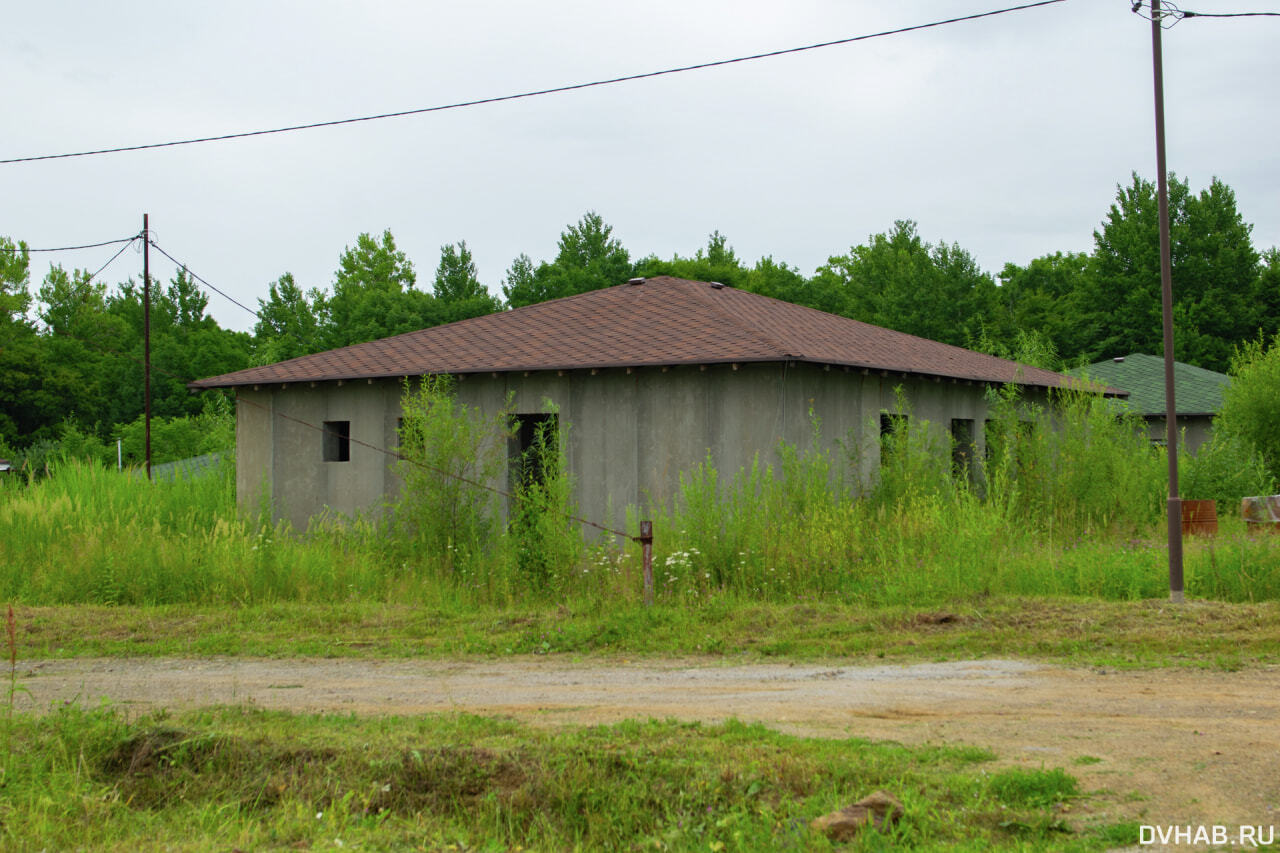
<point x="237" y="777"/>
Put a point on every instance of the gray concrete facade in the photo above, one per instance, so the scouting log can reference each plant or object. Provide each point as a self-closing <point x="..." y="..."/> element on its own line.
<point x="1194" y="430"/>
<point x="629" y="433"/>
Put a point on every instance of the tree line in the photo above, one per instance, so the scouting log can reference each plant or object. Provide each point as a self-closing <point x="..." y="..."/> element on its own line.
<point x="70" y="352"/>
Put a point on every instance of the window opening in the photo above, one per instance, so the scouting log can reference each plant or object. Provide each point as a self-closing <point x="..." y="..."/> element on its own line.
<point x="534" y="443"/>
<point x="893" y="429"/>
<point x="962" y="447"/>
<point x="337" y="441"/>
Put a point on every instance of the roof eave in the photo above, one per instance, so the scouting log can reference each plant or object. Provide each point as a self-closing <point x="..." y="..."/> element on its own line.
<point x="227" y="381"/>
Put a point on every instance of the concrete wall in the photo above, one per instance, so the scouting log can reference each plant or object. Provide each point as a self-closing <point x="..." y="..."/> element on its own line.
<point x="1195" y="430"/>
<point x="280" y="445"/>
<point x="630" y="434"/>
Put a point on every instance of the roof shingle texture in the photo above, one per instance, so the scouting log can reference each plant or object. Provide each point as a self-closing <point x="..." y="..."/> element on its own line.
<point x="1196" y="391"/>
<point x="662" y="322"/>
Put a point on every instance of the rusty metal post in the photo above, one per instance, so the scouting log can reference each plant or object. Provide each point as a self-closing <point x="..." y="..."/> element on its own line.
<point x="1166" y="305"/>
<point x="646" y="549"/>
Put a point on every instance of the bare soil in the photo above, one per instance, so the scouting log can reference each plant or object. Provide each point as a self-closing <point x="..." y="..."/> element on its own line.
<point x="1165" y="746"/>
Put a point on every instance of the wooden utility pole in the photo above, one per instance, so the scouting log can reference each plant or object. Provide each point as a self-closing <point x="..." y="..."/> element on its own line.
<point x="146" y="336"/>
<point x="1166" y="306"/>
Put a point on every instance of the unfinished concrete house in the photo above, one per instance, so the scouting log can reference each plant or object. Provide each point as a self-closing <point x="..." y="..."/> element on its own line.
<point x="654" y="376"/>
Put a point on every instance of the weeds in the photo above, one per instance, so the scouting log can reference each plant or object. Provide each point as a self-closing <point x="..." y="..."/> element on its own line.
<point x="541" y="536"/>
<point x="253" y="780"/>
<point x="11" y="636"/>
<point x="444" y="515"/>
<point x="1066" y="502"/>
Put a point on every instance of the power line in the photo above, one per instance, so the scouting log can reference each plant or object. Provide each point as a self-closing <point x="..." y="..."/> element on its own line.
<point x="189" y="271"/>
<point x="127" y="241"/>
<point x="534" y="93"/>
<point x="112" y="260"/>
<point x="1171" y="15"/>
<point x="20" y="248"/>
<point x="1231" y="14"/>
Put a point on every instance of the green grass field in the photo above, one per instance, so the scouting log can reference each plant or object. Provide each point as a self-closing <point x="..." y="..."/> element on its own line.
<point x="764" y="565"/>
<point x="236" y="778"/>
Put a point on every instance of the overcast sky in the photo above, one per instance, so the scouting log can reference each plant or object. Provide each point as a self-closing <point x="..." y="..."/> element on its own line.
<point x="1006" y="135"/>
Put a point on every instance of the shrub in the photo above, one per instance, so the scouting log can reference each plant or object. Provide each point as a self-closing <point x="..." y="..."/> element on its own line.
<point x="211" y="431"/>
<point x="1079" y="464"/>
<point x="1251" y="404"/>
<point x="449" y="451"/>
<point x="1225" y="469"/>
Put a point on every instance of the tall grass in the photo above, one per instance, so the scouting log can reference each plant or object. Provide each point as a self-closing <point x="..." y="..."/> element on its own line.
<point x="447" y="448"/>
<point x="92" y="535"/>
<point x="241" y="778"/>
<point x="1069" y="501"/>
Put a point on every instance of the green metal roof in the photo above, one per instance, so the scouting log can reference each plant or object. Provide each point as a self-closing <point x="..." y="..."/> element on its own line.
<point x="1197" y="391"/>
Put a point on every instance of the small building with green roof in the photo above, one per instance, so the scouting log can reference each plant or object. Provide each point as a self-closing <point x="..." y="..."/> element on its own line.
<point x="1197" y="393"/>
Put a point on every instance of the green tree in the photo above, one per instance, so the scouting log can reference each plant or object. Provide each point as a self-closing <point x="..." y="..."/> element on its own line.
<point x="287" y="324"/>
<point x="211" y="430"/>
<point x="84" y="350"/>
<point x="1214" y="268"/>
<point x="68" y="299"/>
<point x="15" y="279"/>
<point x="779" y="280"/>
<point x="186" y="344"/>
<point x="77" y="373"/>
<point x="589" y="258"/>
<point x="1043" y="302"/>
<point x="716" y="262"/>
<point x="1266" y="293"/>
<point x="519" y="277"/>
<point x="374" y="296"/>
<point x="1251" y="403"/>
<point x="457" y="287"/>
<point x="21" y="380"/>
<point x="899" y="281"/>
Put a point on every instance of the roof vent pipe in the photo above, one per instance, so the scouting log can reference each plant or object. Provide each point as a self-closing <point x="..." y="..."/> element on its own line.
<point x="635" y="281"/>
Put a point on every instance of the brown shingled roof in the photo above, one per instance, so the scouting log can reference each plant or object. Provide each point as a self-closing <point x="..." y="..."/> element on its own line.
<point x="662" y="321"/>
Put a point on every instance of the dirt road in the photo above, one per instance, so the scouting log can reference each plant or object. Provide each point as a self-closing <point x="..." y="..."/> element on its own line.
<point x="1175" y="746"/>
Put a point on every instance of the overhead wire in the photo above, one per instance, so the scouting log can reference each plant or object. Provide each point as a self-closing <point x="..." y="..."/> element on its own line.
<point x="20" y="248"/>
<point x="203" y="281"/>
<point x="113" y="257"/>
<point x="572" y="87"/>
<point x="127" y="241"/>
<point x="1189" y="14"/>
<point x="1171" y="15"/>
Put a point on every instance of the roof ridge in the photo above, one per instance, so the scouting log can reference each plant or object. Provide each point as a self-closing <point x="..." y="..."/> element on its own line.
<point x="712" y="303"/>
